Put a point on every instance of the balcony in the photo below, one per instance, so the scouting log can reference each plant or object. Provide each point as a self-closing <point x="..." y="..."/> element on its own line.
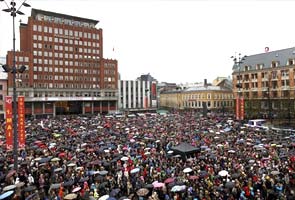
<point x="254" y="89"/>
<point x="285" y="87"/>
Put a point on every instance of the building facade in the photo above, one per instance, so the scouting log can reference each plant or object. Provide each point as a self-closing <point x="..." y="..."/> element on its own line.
<point x="137" y="95"/>
<point x="211" y="97"/>
<point x="66" y="72"/>
<point x="267" y="84"/>
<point x="3" y="93"/>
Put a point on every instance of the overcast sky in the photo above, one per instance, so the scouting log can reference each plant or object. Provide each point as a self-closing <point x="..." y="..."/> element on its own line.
<point x="175" y="40"/>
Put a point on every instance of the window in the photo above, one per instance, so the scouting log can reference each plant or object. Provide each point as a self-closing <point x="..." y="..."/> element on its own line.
<point x="35" y="37"/>
<point x="40" y="28"/>
<point x="50" y="29"/>
<point x="34" y="27"/>
<point x="45" y="29"/>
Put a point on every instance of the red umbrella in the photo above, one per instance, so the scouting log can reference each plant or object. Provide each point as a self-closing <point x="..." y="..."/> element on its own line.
<point x="194" y="177"/>
<point x="169" y="180"/>
<point x="62" y="154"/>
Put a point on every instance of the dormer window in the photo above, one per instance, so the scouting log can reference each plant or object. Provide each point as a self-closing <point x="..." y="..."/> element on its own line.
<point x="259" y="66"/>
<point x="247" y="68"/>
<point x="274" y="64"/>
<point x="291" y="62"/>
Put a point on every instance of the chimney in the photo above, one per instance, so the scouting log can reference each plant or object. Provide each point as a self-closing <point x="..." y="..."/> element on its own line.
<point x="205" y="82"/>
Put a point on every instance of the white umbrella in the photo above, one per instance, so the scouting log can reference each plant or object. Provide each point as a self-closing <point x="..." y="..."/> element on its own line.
<point x="187" y="170"/>
<point x="135" y="170"/>
<point x="223" y="173"/>
<point x="124" y="158"/>
<point x="178" y="188"/>
<point x="170" y="152"/>
<point x="104" y="197"/>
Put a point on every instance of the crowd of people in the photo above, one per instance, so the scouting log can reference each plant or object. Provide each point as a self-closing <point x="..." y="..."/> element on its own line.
<point x="103" y="157"/>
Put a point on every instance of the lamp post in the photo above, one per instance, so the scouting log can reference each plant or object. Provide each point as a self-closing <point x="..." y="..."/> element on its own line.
<point x="13" y="12"/>
<point x="238" y="60"/>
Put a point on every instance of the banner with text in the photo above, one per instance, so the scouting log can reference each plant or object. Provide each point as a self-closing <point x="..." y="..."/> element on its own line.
<point x="242" y="108"/>
<point x="238" y="108"/>
<point x="21" y="122"/>
<point x="9" y="129"/>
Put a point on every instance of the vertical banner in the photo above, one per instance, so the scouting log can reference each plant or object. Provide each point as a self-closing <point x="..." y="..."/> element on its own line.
<point x="154" y="90"/>
<point x="145" y="102"/>
<point x="9" y="129"/>
<point x="21" y="122"/>
<point x="238" y="108"/>
<point x="242" y="108"/>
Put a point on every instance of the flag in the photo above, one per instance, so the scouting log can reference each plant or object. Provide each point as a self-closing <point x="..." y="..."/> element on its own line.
<point x="266" y="49"/>
<point x="9" y="124"/>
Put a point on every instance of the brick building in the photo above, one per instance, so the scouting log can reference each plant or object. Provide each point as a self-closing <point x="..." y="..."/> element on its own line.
<point x="66" y="72"/>
<point x="267" y="84"/>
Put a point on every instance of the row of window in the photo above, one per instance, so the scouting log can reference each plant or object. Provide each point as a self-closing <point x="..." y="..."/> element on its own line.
<point x="66" y="78"/>
<point x="65" y="32"/>
<point x="61" y="56"/>
<point x="202" y="96"/>
<point x="65" y="63"/>
<point x="199" y="104"/>
<point x="78" y="71"/>
<point x="65" y="41"/>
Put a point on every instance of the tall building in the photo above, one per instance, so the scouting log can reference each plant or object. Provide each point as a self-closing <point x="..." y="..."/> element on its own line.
<point x="66" y="71"/>
<point x="267" y="84"/>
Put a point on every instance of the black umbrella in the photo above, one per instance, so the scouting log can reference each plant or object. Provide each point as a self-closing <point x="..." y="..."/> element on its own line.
<point x="149" y="186"/>
<point x="68" y="183"/>
<point x="114" y="192"/>
<point x="83" y="179"/>
<point x="229" y="184"/>
<point x="30" y="188"/>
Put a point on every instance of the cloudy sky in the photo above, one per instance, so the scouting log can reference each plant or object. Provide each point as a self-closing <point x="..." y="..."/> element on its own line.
<point x="175" y="40"/>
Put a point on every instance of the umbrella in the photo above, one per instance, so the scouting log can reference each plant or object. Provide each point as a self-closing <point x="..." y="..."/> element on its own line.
<point x="124" y="158"/>
<point x="55" y="186"/>
<point x="45" y="160"/>
<point x="235" y="175"/>
<point x="135" y="170"/>
<point x="229" y="184"/>
<point x="203" y="174"/>
<point x="31" y="196"/>
<point x="58" y="169"/>
<point x="29" y="188"/>
<point x="275" y="172"/>
<point x="98" y="178"/>
<point x="149" y="186"/>
<point x="169" y="180"/>
<point x="114" y="192"/>
<point x="55" y="159"/>
<point x="178" y="188"/>
<point x="9" y="187"/>
<point x="71" y="196"/>
<point x="158" y="184"/>
<point x="111" y="198"/>
<point x="76" y="189"/>
<point x="68" y="183"/>
<point x="10" y="173"/>
<point x="20" y="184"/>
<point x="104" y="197"/>
<point x="83" y="179"/>
<point x="194" y="177"/>
<point x="187" y="170"/>
<point x="142" y="192"/>
<point x="6" y="194"/>
<point x="103" y="172"/>
<point x="71" y="165"/>
<point x="223" y="173"/>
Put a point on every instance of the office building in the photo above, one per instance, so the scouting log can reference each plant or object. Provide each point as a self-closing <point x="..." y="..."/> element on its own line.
<point x="66" y="71"/>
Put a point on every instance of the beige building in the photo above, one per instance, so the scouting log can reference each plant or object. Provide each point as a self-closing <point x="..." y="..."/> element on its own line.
<point x="211" y="97"/>
<point x="267" y="84"/>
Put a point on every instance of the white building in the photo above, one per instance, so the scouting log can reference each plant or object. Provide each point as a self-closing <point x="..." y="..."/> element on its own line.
<point x="137" y="95"/>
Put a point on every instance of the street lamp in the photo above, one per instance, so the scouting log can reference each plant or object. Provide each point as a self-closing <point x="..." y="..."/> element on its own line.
<point x="13" y="12"/>
<point x="237" y="63"/>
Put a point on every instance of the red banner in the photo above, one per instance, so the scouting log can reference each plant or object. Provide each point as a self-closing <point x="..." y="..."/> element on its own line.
<point x="21" y="122"/>
<point x="9" y="129"/>
<point x="237" y="108"/>
<point x="242" y="108"/>
<point x="154" y="89"/>
<point x="145" y="102"/>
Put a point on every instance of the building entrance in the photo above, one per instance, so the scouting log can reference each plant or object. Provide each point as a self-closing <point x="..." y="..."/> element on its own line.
<point x="68" y="107"/>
